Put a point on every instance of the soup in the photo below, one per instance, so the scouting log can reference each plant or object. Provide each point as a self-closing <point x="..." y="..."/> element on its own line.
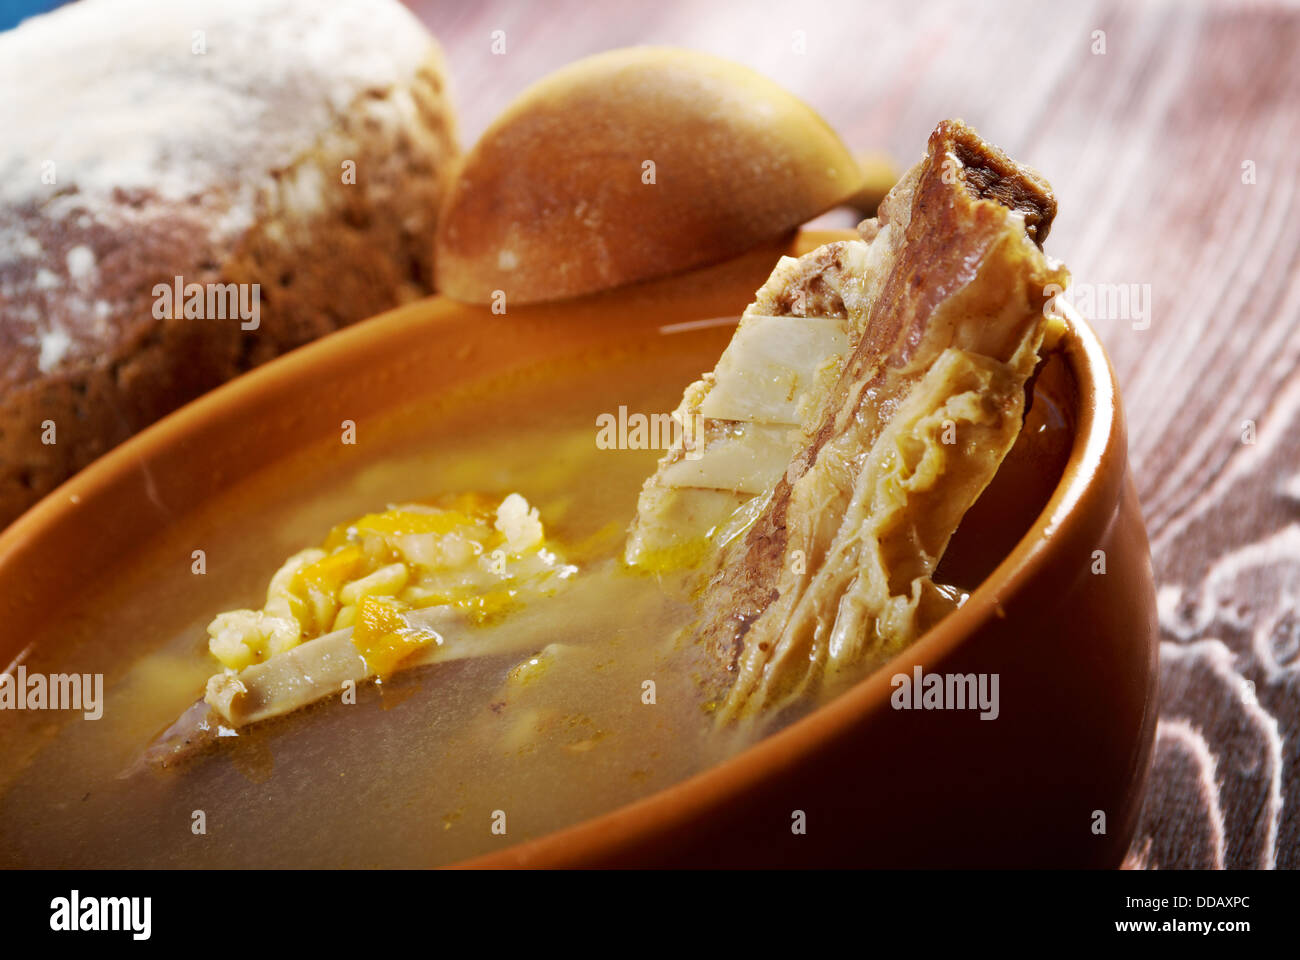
<point x="421" y="770"/>
<point x="867" y="421"/>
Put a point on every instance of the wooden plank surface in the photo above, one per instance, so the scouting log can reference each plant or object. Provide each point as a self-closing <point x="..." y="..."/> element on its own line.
<point x="1150" y="145"/>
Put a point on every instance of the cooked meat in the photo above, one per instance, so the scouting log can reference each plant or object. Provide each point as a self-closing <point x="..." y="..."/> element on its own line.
<point x="900" y="397"/>
<point x="866" y="400"/>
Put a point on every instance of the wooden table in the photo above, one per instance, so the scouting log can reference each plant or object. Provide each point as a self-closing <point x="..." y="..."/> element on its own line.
<point x="1175" y="154"/>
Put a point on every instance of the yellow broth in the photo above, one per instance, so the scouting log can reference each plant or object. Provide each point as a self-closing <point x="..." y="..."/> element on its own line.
<point x="430" y="767"/>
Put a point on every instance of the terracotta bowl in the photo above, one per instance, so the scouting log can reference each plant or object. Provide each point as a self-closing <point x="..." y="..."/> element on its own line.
<point x="1066" y="620"/>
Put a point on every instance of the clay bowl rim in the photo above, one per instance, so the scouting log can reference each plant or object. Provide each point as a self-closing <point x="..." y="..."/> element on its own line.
<point x="1098" y="454"/>
<point x="1098" y="439"/>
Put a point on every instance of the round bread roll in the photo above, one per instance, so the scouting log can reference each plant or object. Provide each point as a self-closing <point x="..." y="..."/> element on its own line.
<point x="629" y="165"/>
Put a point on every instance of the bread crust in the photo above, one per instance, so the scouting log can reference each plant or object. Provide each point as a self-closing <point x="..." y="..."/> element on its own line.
<point x="82" y="347"/>
<point x="630" y="165"/>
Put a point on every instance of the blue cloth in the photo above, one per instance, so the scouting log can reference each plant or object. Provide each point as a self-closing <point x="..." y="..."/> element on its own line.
<point x="14" y="12"/>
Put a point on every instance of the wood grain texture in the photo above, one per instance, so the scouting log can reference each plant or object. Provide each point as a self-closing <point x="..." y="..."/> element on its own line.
<point x="1148" y="146"/>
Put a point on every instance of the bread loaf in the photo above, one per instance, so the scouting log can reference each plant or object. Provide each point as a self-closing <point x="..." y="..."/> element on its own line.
<point x="295" y="149"/>
<point x="634" y="164"/>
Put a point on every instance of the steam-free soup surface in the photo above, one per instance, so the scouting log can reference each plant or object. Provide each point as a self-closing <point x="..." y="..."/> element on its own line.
<point x="436" y="765"/>
<point x="433" y="765"/>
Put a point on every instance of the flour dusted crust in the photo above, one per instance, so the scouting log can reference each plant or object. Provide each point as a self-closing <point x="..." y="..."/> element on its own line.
<point x="218" y="166"/>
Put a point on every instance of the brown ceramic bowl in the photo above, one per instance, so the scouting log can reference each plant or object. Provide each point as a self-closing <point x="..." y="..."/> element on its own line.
<point x="1074" y="648"/>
